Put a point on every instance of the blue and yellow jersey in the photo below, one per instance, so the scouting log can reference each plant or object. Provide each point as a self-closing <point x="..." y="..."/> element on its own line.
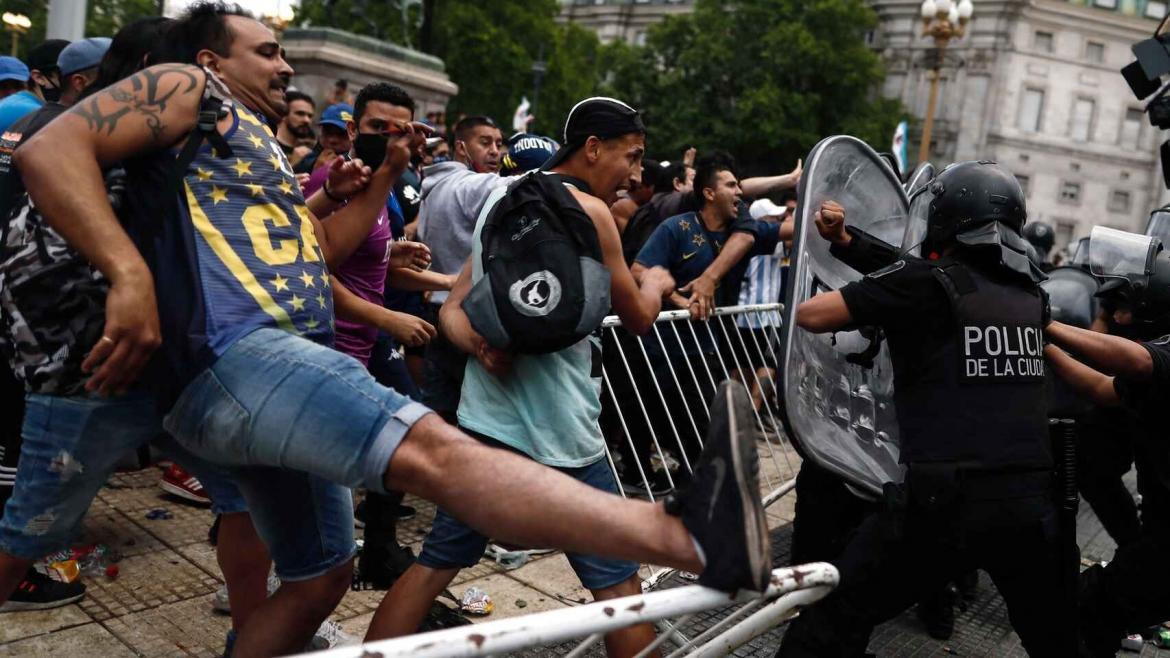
<point x="259" y="264"/>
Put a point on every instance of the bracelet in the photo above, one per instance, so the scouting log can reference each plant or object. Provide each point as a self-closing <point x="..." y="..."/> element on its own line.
<point x="329" y="194"/>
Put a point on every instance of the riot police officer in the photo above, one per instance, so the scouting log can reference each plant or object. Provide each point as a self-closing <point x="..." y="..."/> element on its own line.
<point x="1042" y="237"/>
<point x="964" y="329"/>
<point x="1121" y="597"/>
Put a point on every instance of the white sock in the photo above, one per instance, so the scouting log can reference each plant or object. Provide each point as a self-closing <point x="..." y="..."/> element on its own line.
<point x="699" y="551"/>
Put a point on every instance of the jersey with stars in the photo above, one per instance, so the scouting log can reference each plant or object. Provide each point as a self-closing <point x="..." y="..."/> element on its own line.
<point x="258" y="258"/>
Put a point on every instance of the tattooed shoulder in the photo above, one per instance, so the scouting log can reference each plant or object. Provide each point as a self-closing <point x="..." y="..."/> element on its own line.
<point x="144" y="95"/>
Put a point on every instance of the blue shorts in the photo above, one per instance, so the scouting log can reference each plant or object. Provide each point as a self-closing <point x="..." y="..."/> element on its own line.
<point x="275" y="399"/>
<point x="453" y="545"/>
<point x="71" y="446"/>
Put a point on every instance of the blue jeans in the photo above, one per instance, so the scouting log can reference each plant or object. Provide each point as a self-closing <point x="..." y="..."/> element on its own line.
<point x="275" y="399"/>
<point x="71" y="446"/>
<point x="453" y="545"/>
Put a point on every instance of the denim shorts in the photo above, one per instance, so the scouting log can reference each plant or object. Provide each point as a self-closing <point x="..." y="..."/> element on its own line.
<point x="71" y="445"/>
<point x="275" y="399"/>
<point x="453" y="545"/>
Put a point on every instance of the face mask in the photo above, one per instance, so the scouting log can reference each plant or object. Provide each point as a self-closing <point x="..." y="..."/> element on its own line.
<point x="441" y="158"/>
<point x="52" y="94"/>
<point x="371" y="148"/>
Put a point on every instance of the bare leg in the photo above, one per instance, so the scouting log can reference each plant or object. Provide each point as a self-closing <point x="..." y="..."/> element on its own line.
<point x="627" y="641"/>
<point x="406" y="604"/>
<point x="243" y="559"/>
<point x="285" y="623"/>
<point x="438" y="462"/>
<point x="12" y="570"/>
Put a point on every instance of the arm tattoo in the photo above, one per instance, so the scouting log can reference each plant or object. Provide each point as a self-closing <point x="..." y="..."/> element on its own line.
<point x="149" y="92"/>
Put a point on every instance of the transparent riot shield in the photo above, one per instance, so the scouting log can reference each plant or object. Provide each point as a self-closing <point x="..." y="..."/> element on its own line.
<point x="841" y="413"/>
<point x="1072" y="300"/>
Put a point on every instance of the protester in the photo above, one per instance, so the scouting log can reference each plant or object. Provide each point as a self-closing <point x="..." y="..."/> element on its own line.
<point x="375" y="437"/>
<point x="296" y="126"/>
<point x="17" y="99"/>
<point x="332" y="139"/>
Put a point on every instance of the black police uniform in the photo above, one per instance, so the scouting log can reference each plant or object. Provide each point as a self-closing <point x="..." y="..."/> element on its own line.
<point x="1124" y="595"/>
<point x="966" y="347"/>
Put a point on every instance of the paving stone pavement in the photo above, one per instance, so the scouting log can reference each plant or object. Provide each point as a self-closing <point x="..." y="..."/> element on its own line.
<point x="160" y="605"/>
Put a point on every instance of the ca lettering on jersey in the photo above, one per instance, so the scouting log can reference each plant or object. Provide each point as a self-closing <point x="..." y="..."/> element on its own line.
<point x="1002" y="353"/>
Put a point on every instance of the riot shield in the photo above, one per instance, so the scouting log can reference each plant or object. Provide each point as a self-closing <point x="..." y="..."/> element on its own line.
<point x="1158" y="225"/>
<point x="922" y="175"/>
<point x="841" y="413"/>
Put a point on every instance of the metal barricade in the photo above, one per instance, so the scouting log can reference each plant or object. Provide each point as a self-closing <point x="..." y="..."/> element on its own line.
<point x="790" y="589"/>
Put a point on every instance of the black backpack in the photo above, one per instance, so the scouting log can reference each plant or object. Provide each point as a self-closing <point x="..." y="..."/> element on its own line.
<point x="544" y="285"/>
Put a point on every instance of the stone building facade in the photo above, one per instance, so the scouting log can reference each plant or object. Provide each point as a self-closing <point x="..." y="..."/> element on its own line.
<point x="1034" y="85"/>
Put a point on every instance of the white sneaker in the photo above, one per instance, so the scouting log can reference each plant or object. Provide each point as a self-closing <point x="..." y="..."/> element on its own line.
<point x="221" y="603"/>
<point x="330" y="635"/>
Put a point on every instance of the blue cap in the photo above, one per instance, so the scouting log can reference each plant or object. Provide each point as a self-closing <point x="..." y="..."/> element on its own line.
<point x="527" y="152"/>
<point x="336" y="115"/>
<point x="12" y="69"/>
<point x="81" y="55"/>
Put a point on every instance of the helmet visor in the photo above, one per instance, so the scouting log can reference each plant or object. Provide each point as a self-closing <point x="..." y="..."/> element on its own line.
<point x="1159" y="224"/>
<point x="1118" y="254"/>
<point x="916" y="225"/>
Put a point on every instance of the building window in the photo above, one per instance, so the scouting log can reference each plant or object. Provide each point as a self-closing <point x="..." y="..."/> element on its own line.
<point x="1119" y="201"/>
<point x="640" y="38"/>
<point x="1095" y="52"/>
<point x="1070" y="192"/>
<point x="1031" y="105"/>
<point x="1082" y="119"/>
<point x="1131" y="128"/>
<point x="1043" y="42"/>
<point x="1075" y="166"/>
<point x="1065" y="229"/>
<point x="1107" y="4"/>
<point x="1155" y="9"/>
<point x="1025" y="183"/>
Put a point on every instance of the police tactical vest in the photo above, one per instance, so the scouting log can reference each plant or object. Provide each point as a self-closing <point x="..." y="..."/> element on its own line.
<point x="981" y="399"/>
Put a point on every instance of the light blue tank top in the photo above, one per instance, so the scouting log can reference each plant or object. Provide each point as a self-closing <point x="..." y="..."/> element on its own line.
<point x="548" y="405"/>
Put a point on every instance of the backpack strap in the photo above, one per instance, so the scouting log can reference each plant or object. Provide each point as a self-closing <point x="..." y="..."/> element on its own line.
<point x="211" y="110"/>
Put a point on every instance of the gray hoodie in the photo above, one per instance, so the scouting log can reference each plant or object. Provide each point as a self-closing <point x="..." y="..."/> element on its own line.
<point x="452" y="196"/>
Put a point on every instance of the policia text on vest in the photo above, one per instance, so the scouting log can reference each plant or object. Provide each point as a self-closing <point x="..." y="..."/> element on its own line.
<point x="1002" y="352"/>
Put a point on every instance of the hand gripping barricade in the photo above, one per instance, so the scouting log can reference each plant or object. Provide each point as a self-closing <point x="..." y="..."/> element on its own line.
<point x="842" y="413"/>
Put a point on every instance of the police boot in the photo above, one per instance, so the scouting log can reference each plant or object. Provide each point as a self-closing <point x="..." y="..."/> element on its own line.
<point x="937" y="612"/>
<point x="968" y="584"/>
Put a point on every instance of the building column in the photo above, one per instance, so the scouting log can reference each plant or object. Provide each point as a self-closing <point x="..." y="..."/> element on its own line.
<point x="66" y="19"/>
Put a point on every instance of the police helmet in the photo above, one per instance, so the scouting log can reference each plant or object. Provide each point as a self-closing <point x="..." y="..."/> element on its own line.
<point x="1041" y="236"/>
<point x="1133" y="269"/>
<point x="980" y="206"/>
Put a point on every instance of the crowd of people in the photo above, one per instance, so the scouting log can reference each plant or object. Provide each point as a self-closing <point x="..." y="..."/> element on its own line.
<point x="292" y="300"/>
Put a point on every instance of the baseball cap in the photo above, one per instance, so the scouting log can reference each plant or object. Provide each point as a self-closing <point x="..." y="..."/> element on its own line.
<point x="599" y="116"/>
<point x="762" y="208"/>
<point x="526" y="152"/>
<point x="44" y="57"/>
<point x="81" y="55"/>
<point x="336" y="115"/>
<point x="12" y="69"/>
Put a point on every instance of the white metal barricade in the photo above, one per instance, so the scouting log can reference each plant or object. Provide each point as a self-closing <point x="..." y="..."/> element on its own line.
<point x="656" y="392"/>
<point x="791" y="588"/>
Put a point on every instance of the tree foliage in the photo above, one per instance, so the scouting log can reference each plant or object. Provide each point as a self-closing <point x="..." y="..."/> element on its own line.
<point x="763" y="79"/>
<point x="103" y="19"/>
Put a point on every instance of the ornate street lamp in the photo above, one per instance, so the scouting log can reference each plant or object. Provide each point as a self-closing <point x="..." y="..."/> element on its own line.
<point x="17" y="24"/>
<point x="942" y="20"/>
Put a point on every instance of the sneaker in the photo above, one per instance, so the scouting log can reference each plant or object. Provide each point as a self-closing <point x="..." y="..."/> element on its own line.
<point x="406" y="512"/>
<point x="179" y="482"/>
<point x="39" y="592"/>
<point x="721" y="508"/>
<point x="937" y="612"/>
<point x="221" y="603"/>
<point x="330" y="635"/>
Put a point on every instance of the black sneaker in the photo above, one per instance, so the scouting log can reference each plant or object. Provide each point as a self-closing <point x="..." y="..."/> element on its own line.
<point x="405" y="512"/>
<point x="937" y="612"/>
<point x="39" y="592"/>
<point x="721" y="508"/>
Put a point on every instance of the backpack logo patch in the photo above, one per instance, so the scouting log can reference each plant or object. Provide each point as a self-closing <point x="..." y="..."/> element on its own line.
<point x="536" y="295"/>
<point x="526" y="227"/>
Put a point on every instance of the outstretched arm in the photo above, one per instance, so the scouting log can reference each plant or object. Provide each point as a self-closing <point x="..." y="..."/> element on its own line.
<point x="406" y="329"/>
<point x="702" y="288"/>
<point x="151" y="110"/>
<point x="1119" y="356"/>
<point x="1084" y="380"/>
<point x="457" y="328"/>
<point x="763" y="185"/>
<point x="824" y="312"/>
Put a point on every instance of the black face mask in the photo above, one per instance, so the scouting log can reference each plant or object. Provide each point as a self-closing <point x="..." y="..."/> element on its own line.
<point x="51" y="94"/>
<point x="370" y="148"/>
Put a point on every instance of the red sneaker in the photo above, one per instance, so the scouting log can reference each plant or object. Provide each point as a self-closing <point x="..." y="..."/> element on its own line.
<point x="178" y="482"/>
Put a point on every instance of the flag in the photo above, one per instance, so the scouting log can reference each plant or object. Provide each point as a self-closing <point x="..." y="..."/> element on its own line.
<point x="521" y="118"/>
<point x="899" y="147"/>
